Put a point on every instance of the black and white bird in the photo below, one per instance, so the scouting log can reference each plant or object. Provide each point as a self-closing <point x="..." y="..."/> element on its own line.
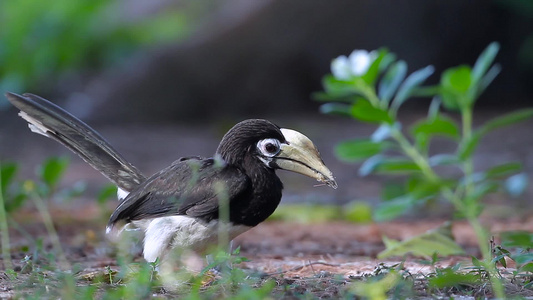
<point x="179" y="206"/>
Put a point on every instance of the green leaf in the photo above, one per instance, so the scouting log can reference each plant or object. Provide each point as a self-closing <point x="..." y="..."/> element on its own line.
<point x="109" y="191"/>
<point x="373" y="70"/>
<point x="457" y="80"/>
<point x="438" y="125"/>
<point x="434" y="108"/>
<point x="393" y="208"/>
<point x="455" y="83"/>
<point x="484" y="61"/>
<point x="516" y="184"/>
<point x="343" y="88"/>
<point x="439" y="240"/>
<point x="476" y="262"/>
<point x="15" y="202"/>
<point x="376" y="290"/>
<point x="307" y="213"/>
<point x="448" y="278"/>
<point x="480" y="189"/>
<point x="397" y="166"/>
<point x="382" y="164"/>
<point x="506" y="120"/>
<point x="52" y="170"/>
<point x="468" y="146"/>
<point x="392" y="190"/>
<point x="521" y="259"/>
<point x="7" y="173"/>
<point x="370" y="165"/>
<point x="443" y="160"/>
<point x="500" y="259"/>
<point x="365" y="112"/>
<point x="405" y="198"/>
<point x="357" y="212"/>
<point x="526" y="268"/>
<point x="420" y="188"/>
<point x="487" y="79"/>
<point x="503" y="170"/>
<point x="340" y="109"/>
<point x="382" y="133"/>
<point x="410" y="83"/>
<point x="521" y="239"/>
<point x="421" y="143"/>
<point x="392" y="80"/>
<point x="360" y="149"/>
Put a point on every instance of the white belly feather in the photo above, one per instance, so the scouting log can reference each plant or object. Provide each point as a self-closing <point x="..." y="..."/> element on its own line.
<point x="183" y="232"/>
<point x="166" y="233"/>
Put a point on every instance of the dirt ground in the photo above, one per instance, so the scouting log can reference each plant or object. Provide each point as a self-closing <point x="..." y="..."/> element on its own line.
<point x="320" y="258"/>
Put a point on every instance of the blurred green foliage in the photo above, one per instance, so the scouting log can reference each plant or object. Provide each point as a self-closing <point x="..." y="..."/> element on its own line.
<point x="438" y="240"/>
<point x="375" y="96"/>
<point x="11" y="190"/>
<point x="43" y="40"/>
<point x="307" y="213"/>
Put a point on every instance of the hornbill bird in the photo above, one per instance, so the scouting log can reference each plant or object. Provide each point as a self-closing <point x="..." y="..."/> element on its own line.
<point x="178" y="207"/>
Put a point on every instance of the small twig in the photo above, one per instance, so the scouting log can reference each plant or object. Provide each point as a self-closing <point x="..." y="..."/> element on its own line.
<point x="50" y="228"/>
<point x="310" y="264"/>
<point x="312" y="269"/>
<point x="319" y="184"/>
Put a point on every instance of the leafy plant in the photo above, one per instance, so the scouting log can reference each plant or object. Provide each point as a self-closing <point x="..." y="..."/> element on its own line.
<point x="439" y="241"/>
<point x="374" y="94"/>
<point x="40" y="40"/>
<point x="385" y="282"/>
<point x="354" y="211"/>
<point x="10" y="189"/>
<point x="50" y="174"/>
<point x="377" y="289"/>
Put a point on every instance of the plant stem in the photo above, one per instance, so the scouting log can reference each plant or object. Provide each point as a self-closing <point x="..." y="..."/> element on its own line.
<point x="468" y="165"/>
<point x="482" y="238"/>
<point x="370" y="95"/>
<point x="6" y="252"/>
<point x="49" y="225"/>
<point x="468" y="169"/>
<point x="480" y="232"/>
<point x="414" y="154"/>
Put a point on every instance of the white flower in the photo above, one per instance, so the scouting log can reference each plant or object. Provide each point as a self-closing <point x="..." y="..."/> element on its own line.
<point x="357" y="64"/>
<point x="340" y="68"/>
<point x="360" y="61"/>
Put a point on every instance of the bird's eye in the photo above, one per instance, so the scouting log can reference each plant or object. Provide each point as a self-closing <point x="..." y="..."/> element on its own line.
<point x="268" y="147"/>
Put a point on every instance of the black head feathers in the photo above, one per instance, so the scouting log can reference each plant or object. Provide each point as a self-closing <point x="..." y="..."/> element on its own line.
<point x="243" y="137"/>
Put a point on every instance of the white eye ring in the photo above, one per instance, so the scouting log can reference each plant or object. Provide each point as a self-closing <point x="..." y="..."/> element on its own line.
<point x="269" y="147"/>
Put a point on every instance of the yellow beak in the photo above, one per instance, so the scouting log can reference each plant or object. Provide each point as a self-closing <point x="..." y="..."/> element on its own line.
<point x="300" y="155"/>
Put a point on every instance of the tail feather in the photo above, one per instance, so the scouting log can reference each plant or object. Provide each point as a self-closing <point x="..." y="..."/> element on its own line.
<point x="52" y="121"/>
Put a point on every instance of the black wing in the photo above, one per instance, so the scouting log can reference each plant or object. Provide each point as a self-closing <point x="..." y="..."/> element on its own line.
<point x="190" y="187"/>
<point x="52" y="121"/>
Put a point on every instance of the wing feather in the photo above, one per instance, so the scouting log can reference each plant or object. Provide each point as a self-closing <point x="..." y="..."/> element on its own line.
<point x="190" y="187"/>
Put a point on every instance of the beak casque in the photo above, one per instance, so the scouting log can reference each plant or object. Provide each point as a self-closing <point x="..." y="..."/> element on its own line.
<point x="300" y="155"/>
